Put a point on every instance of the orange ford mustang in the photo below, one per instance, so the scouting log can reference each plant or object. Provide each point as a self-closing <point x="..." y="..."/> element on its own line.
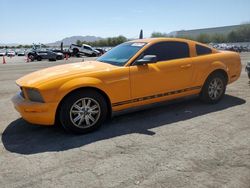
<point x="82" y="95"/>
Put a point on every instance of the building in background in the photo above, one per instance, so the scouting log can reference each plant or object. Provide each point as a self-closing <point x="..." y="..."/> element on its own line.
<point x="225" y="30"/>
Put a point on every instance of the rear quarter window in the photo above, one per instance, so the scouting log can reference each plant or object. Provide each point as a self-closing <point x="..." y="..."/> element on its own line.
<point x="202" y="50"/>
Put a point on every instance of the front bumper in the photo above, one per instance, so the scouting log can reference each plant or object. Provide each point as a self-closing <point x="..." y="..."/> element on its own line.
<point x="35" y="112"/>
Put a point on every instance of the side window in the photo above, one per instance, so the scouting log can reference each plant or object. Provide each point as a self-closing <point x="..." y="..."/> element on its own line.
<point x="168" y="50"/>
<point x="202" y="50"/>
<point x="87" y="48"/>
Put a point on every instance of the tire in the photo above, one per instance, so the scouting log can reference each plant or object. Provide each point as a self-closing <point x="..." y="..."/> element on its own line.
<point x="38" y="58"/>
<point x="59" y="57"/>
<point x="214" y="88"/>
<point x="77" y="120"/>
<point x="75" y="51"/>
<point x="31" y="57"/>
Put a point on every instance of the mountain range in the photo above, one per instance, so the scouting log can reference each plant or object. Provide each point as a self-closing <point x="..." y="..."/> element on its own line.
<point x="66" y="41"/>
<point x="69" y="40"/>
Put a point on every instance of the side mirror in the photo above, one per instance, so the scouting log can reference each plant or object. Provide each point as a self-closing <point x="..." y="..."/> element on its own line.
<point x="146" y="60"/>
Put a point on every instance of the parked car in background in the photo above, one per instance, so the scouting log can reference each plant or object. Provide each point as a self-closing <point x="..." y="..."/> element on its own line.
<point x="82" y="95"/>
<point x="231" y="47"/>
<point x="101" y="50"/>
<point x="2" y="52"/>
<point x="10" y="53"/>
<point x="65" y="52"/>
<point x="248" y="69"/>
<point x="85" y="50"/>
<point x="44" y="54"/>
<point x="20" y="52"/>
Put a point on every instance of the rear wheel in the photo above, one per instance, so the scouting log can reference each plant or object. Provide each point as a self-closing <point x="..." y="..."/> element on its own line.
<point x="83" y="111"/>
<point x="214" y="88"/>
<point x="39" y="58"/>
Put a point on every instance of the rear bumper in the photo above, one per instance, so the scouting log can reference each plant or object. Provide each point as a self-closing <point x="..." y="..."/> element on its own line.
<point x="248" y="69"/>
<point x="34" y="112"/>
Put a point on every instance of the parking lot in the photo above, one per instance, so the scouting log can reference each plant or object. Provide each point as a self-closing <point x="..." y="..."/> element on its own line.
<point x="177" y="144"/>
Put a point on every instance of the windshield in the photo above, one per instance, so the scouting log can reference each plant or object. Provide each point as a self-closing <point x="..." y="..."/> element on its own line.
<point x="121" y="54"/>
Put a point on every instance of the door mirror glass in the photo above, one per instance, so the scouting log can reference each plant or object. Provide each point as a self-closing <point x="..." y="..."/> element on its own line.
<point x="146" y="60"/>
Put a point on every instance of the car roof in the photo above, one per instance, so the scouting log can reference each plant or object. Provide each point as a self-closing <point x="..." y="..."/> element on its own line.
<point x="86" y="45"/>
<point x="149" y="40"/>
<point x="164" y="39"/>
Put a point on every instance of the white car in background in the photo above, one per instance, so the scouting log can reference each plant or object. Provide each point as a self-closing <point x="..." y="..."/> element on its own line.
<point x="2" y="52"/>
<point x="85" y="50"/>
<point x="20" y="52"/>
<point x="10" y="53"/>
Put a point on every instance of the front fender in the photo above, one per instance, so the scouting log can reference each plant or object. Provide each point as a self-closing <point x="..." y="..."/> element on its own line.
<point x="76" y="83"/>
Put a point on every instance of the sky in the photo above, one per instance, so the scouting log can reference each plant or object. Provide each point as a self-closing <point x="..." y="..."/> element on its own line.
<point x="28" y="21"/>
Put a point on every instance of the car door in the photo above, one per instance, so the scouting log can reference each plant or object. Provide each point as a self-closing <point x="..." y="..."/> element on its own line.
<point x="51" y="55"/>
<point x="43" y="54"/>
<point x="172" y="72"/>
<point x="87" y="50"/>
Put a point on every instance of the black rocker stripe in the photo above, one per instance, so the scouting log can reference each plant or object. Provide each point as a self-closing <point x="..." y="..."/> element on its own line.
<point x="155" y="96"/>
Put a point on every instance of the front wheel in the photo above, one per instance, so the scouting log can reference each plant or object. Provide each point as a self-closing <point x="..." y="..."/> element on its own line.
<point x="93" y="55"/>
<point x="214" y="88"/>
<point x="59" y="57"/>
<point x="75" y="52"/>
<point x="83" y="111"/>
<point x="31" y="57"/>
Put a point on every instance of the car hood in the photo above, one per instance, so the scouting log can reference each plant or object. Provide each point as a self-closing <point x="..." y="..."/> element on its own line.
<point x="58" y="72"/>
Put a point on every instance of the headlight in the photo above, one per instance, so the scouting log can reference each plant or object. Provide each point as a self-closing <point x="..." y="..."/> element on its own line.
<point x="21" y="92"/>
<point x="34" y="95"/>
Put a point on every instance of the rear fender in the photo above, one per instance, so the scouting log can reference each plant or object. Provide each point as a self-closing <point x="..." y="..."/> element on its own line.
<point x="216" y="65"/>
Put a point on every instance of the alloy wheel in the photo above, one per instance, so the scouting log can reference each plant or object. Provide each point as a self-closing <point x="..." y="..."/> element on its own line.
<point x="85" y="112"/>
<point x="215" y="88"/>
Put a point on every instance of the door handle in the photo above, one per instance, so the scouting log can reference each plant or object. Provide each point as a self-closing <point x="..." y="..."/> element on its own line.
<point x="186" y="66"/>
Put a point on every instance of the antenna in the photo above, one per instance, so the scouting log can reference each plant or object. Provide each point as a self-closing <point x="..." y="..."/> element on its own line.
<point x="141" y="34"/>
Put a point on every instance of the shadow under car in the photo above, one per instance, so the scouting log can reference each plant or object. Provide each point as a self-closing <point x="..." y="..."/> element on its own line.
<point x="24" y="138"/>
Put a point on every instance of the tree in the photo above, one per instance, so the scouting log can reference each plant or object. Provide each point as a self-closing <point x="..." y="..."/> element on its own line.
<point x="186" y="37"/>
<point x="232" y="37"/>
<point x="158" y="34"/>
<point x="78" y="42"/>
<point x="203" y="37"/>
<point x="244" y="33"/>
<point x="218" y="38"/>
<point x="111" y="41"/>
